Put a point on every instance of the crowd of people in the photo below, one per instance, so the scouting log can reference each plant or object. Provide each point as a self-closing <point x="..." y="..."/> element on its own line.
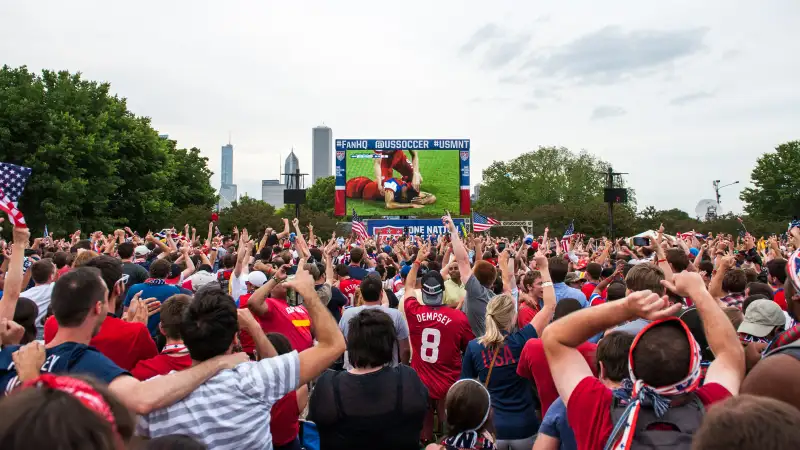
<point x="283" y="340"/>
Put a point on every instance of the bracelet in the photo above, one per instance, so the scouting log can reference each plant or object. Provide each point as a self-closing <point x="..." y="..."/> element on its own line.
<point x="662" y="260"/>
<point x="547" y="284"/>
<point x="417" y="263"/>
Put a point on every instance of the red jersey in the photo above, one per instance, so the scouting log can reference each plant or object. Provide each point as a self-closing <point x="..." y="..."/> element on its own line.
<point x="348" y="287"/>
<point x="439" y="335"/>
<point x="589" y="410"/>
<point x="248" y="344"/>
<point x="162" y="364"/>
<point x="124" y="343"/>
<point x="588" y="288"/>
<point x="525" y="315"/>
<point x="533" y="366"/>
<point x="395" y="160"/>
<point x="291" y="321"/>
<point x="780" y="298"/>
<point x="283" y="420"/>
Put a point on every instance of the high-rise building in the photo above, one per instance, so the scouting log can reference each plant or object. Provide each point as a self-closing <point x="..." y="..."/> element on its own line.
<point x="321" y="153"/>
<point x="227" y="165"/>
<point x="477" y="192"/>
<point x="272" y="192"/>
<point x="227" y="190"/>
<point x="291" y="166"/>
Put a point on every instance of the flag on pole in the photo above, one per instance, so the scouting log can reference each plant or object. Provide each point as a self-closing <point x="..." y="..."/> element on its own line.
<point x="567" y="235"/>
<point x="358" y="226"/>
<point x="12" y="183"/>
<point x="46" y="234"/>
<point x="481" y="223"/>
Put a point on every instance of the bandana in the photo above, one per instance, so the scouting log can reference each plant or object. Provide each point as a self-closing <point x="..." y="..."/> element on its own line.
<point x="79" y="390"/>
<point x="154" y="281"/>
<point x="793" y="268"/>
<point x="657" y="398"/>
<point x="469" y="438"/>
<point x="175" y="349"/>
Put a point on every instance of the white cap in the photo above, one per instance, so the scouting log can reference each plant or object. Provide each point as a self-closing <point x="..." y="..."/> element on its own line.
<point x="257" y="278"/>
<point x="141" y="250"/>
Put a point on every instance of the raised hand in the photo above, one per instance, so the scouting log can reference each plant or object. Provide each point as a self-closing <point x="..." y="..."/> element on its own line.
<point x="303" y="282"/>
<point x="650" y="306"/>
<point x="28" y="360"/>
<point x="10" y="332"/>
<point x="686" y="284"/>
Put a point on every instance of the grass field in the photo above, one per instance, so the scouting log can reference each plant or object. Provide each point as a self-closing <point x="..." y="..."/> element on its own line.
<point x="440" y="177"/>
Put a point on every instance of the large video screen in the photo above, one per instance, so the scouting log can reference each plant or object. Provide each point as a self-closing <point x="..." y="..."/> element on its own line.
<point x="402" y="177"/>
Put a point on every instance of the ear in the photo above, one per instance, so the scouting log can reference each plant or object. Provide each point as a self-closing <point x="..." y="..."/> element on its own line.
<point x="118" y="289"/>
<point x="98" y="308"/>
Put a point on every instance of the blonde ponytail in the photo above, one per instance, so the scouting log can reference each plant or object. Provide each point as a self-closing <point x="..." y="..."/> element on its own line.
<point x="500" y="315"/>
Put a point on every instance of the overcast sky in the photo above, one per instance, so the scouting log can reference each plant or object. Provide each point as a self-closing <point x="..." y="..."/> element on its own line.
<point x="676" y="93"/>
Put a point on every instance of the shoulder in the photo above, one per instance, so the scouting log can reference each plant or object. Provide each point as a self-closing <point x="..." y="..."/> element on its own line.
<point x="589" y="395"/>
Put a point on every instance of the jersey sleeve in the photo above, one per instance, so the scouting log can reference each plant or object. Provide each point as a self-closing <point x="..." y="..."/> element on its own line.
<point x="145" y="346"/>
<point x="272" y="378"/>
<point x="391" y="185"/>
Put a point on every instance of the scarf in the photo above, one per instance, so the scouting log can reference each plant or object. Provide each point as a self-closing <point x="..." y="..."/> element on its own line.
<point x="657" y="398"/>
<point x="469" y="438"/>
<point x="175" y="349"/>
<point x="79" y="390"/>
<point x="154" y="281"/>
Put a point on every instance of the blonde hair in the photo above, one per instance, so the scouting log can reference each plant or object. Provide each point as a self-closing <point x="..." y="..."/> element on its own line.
<point x="500" y="315"/>
<point x="83" y="257"/>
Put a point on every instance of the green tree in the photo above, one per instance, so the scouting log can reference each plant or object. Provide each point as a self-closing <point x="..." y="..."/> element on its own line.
<point x="320" y="196"/>
<point x="775" y="194"/>
<point x="247" y="212"/>
<point x="95" y="164"/>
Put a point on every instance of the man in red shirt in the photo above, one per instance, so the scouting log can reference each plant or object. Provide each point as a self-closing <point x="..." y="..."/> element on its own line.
<point x="124" y="343"/>
<point x="175" y="355"/>
<point x="777" y="278"/>
<point x="664" y="361"/>
<point x="439" y="336"/>
<point x="347" y="284"/>
<point x="255" y="280"/>
<point x="594" y="272"/>
<point x="269" y="305"/>
<point x="529" y="297"/>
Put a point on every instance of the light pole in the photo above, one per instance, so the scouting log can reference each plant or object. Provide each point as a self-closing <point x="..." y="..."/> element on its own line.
<point x="717" y="187"/>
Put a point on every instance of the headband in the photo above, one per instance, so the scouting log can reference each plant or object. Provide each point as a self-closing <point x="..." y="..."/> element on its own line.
<point x="658" y="397"/>
<point x="793" y="267"/>
<point x="79" y="390"/>
<point x="468" y="438"/>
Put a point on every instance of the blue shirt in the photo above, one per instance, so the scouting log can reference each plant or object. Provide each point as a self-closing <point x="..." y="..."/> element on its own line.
<point x="69" y="357"/>
<point x="564" y="291"/>
<point x="512" y="395"/>
<point x="357" y="273"/>
<point x="160" y="292"/>
<point x="556" y="425"/>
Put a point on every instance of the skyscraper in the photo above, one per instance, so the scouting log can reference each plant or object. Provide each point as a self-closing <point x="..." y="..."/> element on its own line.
<point x="227" y="164"/>
<point x="272" y="192"/>
<point x="289" y="168"/>
<point x="321" y="153"/>
<point x="227" y="190"/>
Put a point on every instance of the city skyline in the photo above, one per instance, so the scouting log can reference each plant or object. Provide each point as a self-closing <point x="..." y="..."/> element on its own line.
<point x="321" y="152"/>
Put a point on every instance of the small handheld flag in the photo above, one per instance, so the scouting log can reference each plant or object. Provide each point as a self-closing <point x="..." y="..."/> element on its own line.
<point x="358" y="226"/>
<point x="12" y="183"/>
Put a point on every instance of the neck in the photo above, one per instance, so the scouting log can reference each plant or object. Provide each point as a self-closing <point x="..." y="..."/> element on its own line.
<point x="171" y="341"/>
<point x="375" y="303"/>
<point x="364" y="370"/>
<point x="130" y="260"/>
<point x="611" y="384"/>
<point x="42" y="284"/>
<point x="81" y="335"/>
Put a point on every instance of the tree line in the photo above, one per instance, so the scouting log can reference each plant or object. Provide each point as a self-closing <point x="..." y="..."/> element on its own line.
<point x="98" y="166"/>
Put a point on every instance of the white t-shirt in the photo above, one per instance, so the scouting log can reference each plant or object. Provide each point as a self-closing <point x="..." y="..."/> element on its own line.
<point x="41" y="296"/>
<point x="239" y="285"/>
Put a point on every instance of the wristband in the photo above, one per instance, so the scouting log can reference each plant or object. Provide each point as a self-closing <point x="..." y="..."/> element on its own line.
<point x="417" y="263"/>
<point x="662" y="260"/>
<point x="547" y="284"/>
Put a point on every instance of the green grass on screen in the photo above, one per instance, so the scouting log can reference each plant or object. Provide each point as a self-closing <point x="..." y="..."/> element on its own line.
<point x="440" y="177"/>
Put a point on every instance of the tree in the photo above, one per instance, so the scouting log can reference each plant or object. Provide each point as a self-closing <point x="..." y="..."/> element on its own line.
<point x="775" y="194"/>
<point x="95" y="164"/>
<point x="320" y="196"/>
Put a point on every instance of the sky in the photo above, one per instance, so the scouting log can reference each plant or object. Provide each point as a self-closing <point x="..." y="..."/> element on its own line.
<point x="676" y="94"/>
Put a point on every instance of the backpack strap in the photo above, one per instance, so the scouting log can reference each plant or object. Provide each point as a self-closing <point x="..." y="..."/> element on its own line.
<point x="491" y="366"/>
<point x="791" y="349"/>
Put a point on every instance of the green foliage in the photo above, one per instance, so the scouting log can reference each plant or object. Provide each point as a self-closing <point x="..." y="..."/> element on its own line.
<point x="95" y="164"/>
<point x="320" y="196"/>
<point x="775" y="194"/>
<point x="247" y="212"/>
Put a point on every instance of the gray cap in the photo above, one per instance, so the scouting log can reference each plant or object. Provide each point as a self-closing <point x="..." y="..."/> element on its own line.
<point x="432" y="288"/>
<point x="761" y="318"/>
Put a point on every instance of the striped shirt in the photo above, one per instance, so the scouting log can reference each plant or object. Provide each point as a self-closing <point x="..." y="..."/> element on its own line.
<point x="231" y="410"/>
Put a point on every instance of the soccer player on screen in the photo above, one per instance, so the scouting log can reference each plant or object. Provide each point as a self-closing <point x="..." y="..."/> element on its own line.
<point x="396" y="160"/>
<point x="401" y="192"/>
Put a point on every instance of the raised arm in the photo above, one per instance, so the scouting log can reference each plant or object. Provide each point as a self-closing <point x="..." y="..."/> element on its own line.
<point x="241" y="253"/>
<point x="548" y="295"/>
<point x="563" y="336"/>
<point x="189" y="270"/>
<point x="330" y="342"/>
<point x="411" y="279"/>
<point x="509" y="281"/>
<point x="264" y="348"/>
<point x="459" y="250"/>
<point x="285" y="232"/>
<point x="728" y="367"/>
<point x="257" y="302"/>
<point x="14" y="276"/>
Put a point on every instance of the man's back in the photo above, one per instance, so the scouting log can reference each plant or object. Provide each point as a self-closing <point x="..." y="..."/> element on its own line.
<point x="159" y="291"/>
<point x="563" y="291"/>
<point x="439" y="335"/>
<point x="41" y="296"/>
<point x="230" y="410"/>
<point x="136" y="272"/>
<point x="400" y="326"/>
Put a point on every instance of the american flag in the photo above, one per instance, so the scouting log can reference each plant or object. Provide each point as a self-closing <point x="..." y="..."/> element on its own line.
<point x="12" y="183"/>
<point x="358" y="226"/>
<point x="567" y="235"/>
<point x="481" y="223"/>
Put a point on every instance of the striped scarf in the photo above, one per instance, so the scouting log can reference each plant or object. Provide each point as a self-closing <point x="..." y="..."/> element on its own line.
<point x="657" y="398"/>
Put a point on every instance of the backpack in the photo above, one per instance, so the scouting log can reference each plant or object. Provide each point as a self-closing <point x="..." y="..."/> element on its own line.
<point x="686" y="418"/>
<point x="791" y="349"/>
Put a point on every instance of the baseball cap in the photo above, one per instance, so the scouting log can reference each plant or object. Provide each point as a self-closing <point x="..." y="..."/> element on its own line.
<point x="528" y="239"/>
<point x="693" y="251"/>
<point x="432" y="288"/>
<point x="141" y="250"/>
<point x="405" y="270"/>
<point x="761" y="318"/>
<point x="257" y="278"/>
<point x="573" y="277"/>
<point x="287" y="245"/>
<point x="387" y="249"/>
